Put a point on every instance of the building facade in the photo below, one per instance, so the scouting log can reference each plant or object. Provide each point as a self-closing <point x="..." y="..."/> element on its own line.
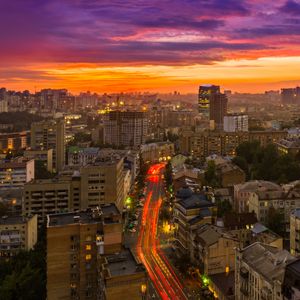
<point x="235" y="123"/>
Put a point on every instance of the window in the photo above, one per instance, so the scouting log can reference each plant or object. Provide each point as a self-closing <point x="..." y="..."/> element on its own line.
<point x="88" y="238"/>
<point x="88" y="247"/>
<point x="88" y="257"/>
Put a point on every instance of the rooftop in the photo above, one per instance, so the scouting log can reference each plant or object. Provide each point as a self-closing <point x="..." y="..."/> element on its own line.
<point x="268" y="261"/>
<point x="10" y="220"/>
<point x="255" y="185"/>
<point x="239" y="220"/>
<point x="195" y="201"/>
<point x="224" y="282"/>
<point x="123" y="263"/>
<point x="89" y="216"/>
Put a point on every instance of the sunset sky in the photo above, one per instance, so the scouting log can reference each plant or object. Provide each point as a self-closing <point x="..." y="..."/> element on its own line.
<point x="156" y="46"/>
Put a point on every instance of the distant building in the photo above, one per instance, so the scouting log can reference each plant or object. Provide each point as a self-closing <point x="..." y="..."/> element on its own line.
<point x="157" y="152"/>
<point x="75" y="243"/>
<point x="17" y="233"/>
<point x="16" y="172"/>
<point x="206" y="92"/>
<point x="260" y="271"/>
<point x="217" y="110"/>
<point x="125" y="128"/>
<point x="82" y="156"/>
<point x="289" y="146"/>
<point x="50" y="135"/>
<point x="290" y="95"/>
<point x="14" y="140"/>
<point x="235" y="123"/>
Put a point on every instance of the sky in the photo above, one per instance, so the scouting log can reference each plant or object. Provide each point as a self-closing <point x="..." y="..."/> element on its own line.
<point x="154" y="46"/>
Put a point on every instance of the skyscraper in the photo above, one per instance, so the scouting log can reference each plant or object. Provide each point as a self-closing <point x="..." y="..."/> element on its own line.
<point x="212" y="104"/>
<point x="206" y="92"/>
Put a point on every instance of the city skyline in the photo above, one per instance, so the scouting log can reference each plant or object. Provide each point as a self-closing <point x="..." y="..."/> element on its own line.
<point x="109" y="46"/>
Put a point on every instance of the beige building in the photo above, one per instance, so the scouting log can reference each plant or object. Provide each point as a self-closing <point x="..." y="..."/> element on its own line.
<point x="242" y="192"/>
<point x="16" y="234"/>
<point x="14" y="140"/>
<point x="157" y="152"/>
<point x="281" y="200"/>
<point x="259" y="272"/>
<point x="191" y="209"/>
<point x="75" y="245"/>
<point x="213" y="249"/>
<point x="295" y="232"/>
<point x="16" y="172"/>
<point x="201" y="144"/>
<point x="46" y="156"/>
<point x="93" y="185"/>
<point x="50" y="134"/>
<point x="289" y="146"/>
<point x="124" y="277"/>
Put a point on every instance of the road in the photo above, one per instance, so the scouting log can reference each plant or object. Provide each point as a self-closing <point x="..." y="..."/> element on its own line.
<point x="161" y="273"/>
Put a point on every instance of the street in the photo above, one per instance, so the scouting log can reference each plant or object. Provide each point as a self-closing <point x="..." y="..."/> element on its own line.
<point x="160" y="271"/>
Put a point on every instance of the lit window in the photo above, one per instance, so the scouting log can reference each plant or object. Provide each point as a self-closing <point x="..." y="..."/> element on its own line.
<point x="88" y="247"/>
<point x="88" y="257"/>
<point x="227" y="269"/>
<point x="88" y="238"/>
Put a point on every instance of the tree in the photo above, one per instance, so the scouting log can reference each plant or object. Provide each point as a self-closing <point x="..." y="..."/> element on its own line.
<point x="210" y="175"/>
<point x="275" y="221"/>
<point x="40" y="170"/>
<point x="223" y="207"/>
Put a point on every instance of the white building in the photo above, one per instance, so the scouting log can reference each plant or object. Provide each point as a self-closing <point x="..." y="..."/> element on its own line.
<point x="235" y="122"/>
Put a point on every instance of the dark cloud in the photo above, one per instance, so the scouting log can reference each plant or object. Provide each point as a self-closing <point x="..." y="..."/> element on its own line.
<point x="291" y="7"/>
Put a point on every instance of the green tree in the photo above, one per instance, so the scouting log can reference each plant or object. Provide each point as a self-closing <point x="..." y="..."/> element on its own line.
<point x="210" y="175"/>
<point x="223" y="207"/>
<point x="275" y="221"/>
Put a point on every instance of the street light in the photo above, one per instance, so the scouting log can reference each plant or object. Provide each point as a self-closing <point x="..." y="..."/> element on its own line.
<point x="143" y="291"/>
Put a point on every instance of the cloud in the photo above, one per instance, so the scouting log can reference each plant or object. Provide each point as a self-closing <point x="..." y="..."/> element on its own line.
<point x="291" y="7"/>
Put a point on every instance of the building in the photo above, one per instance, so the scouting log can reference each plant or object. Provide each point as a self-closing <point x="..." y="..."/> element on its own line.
<point x="235" y="123"/>
<point x="242" y="192"/>
<point x="16" y="172"/>
<point x="291" y="286"/>
<point x="125" y="128"/>
<point x="82" y="156"/>
<point x="157" y="152"/>
<point x="191" y="209"/>
<point x="295" y="232"/>
<point x="217" y="110"/>
<point x="213" y="249"/>
<point x="124" y="277"/>
<point x="45" y="156"/>
<point x="201" y="144"/>
<point x="260" y="271"/>
<point x="14" y="140"/>
<point x="288" y="146"/>
<point x="103" y="182"/>
<point x="17" y="233"/>
<point x="91" y="186"/>
<point x="75" y="245"/>
<point x="50" y="134"/>
<point x="179" y="118"/>
<point x="290" y="95"/>
<point x="204" y="98"/>
<point x="261" y="201"/>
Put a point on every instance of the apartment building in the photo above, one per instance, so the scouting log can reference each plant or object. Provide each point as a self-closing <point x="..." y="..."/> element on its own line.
<point x="75" y="243"/>
<point x="43" y="155"/>
<point x="213" y="249"/>
<point x="125" y="128"/>
<point x="191" y="209"/>
<point x="201" y="144"/>
<point x="291" y="288"/>
<point x="16" y="172"/>
<point x="50" y="134"/>
<point x="91" y="186"/>
<point x="260" y="271"/>
<point x="17" y="233"/>
<point x="289" y="146"/>
<point x="242" y="192"/>
<point x="235" y="123"/>
<point x="82" y="156"/>
<point x="14" y="140"/>
<point x="283" y="201"/>
<point x="125" y="278"/>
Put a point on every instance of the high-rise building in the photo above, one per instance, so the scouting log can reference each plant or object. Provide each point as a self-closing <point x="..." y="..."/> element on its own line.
<point x="217" y="110"/>
<point x="235" y="122"/>
<point x="205" y="94"/>
<point x="50" y="134"/>
<point x="75" y="245"/>
<point x="125" y="128"/>
<point x="212" y="105"/>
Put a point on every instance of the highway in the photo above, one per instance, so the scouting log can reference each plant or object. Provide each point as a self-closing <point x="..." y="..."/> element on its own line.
<point x="163" y="277"/>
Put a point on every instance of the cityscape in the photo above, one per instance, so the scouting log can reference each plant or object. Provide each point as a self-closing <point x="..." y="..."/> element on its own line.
<point x="150" y="150"/>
